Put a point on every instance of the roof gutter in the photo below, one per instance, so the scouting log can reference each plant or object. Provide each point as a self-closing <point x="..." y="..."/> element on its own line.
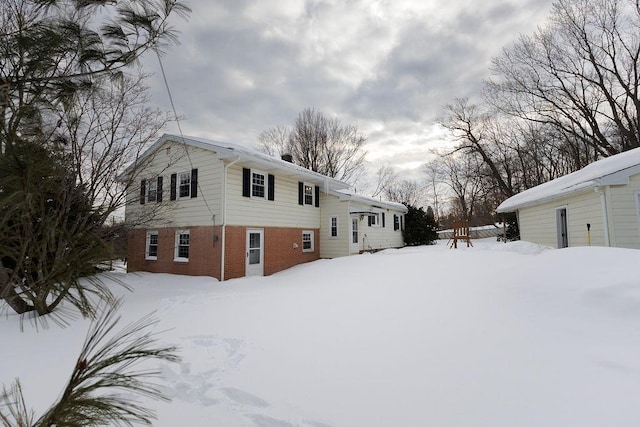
<point x="224" y="215"/>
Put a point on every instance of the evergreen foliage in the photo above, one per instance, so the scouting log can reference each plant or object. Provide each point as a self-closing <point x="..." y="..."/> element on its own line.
<point x="51" y="233"/>
<point x="513" y="231"/>
<point x="420" y="226"/>
<point x="54" y="57"/>
<point x="104" y="381"/>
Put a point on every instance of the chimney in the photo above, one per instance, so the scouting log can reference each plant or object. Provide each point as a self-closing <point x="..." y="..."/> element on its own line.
<point x="287" y="158"/>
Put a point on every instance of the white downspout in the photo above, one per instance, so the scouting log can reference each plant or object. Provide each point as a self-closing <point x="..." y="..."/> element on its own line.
<point x="605" y="216"/>
<point x="224" y="216"/>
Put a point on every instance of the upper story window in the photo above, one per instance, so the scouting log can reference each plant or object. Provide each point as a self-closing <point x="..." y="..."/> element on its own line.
<point x="258" y="184"/>
<point x="151" y="190"/>
<point x="308" y="194"/>
<point x="184" y="184"/>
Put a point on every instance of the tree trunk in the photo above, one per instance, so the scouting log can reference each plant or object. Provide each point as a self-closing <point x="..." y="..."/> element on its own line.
<point x="9" y="294"/>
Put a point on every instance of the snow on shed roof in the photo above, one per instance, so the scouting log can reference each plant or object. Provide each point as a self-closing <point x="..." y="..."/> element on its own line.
<point x="614" y="170"/>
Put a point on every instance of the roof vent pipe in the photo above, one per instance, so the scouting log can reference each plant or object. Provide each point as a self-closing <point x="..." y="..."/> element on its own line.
<point x="287" y="158"/>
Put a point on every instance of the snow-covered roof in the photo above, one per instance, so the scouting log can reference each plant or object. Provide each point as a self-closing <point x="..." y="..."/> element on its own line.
<point x="614" y="170"/>
<point x="351" y="195"/>
<point x="254" y="158"/>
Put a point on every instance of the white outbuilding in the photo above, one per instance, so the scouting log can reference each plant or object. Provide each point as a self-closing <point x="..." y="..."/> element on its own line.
<point x="598" y="205"/>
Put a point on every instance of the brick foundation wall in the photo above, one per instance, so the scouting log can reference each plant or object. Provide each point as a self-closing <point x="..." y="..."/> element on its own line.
<point x="204" y="252"/>
<point x="279" y="253"/>
<point x="235" y="252"/>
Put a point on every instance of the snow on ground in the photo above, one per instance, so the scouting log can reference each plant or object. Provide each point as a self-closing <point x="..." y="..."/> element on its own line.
<point x="494" y="335"/>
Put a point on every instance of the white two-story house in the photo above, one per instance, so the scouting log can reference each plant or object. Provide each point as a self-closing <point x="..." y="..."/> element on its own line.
<point x="219" y="209"/>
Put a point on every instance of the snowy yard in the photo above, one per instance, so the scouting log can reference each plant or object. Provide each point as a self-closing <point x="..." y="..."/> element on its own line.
<point x="494" y="335"/>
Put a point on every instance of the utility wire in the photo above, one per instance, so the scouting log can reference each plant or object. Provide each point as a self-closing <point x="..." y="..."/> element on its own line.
<point x="175" y="114"/>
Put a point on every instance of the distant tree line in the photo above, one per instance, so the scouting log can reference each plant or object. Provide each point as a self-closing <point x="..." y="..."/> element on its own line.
<point x="558" y="99"/>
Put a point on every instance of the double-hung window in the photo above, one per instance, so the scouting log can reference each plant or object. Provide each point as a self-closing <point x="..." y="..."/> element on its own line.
<point x="307" y="241"/>
<point x="258" y="184"/>
<point x="334" y="226"/>
<point x="308" y="194"/>
<point x="152" y="190"/>
<point x="152" y="245"/>
<point x="184" y="184"/>
<point x="182" y="246"/>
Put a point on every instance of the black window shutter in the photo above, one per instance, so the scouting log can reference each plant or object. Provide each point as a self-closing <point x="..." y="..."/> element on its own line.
<point x="272" y="187"/>
<point x="246" y="182"/>
<point x="317" y="196"/>
<point x="174" y="184"/>
<point x="143" y="191"/>
<point x="383" y="219"/>
<point x="159" y="192"/>
<point x="401" y="222"/>
<point x="301" y="193"/>
<point x="370" y="218"/>
<point x="194" y="183"/>
<point x="396" y="223"/>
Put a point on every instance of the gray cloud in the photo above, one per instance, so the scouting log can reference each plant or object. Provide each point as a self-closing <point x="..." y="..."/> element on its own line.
<point x="386" y="66"/>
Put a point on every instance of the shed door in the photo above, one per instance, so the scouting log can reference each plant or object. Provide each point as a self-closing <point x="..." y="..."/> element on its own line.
<point x="255" y="253"/>
<point x="561" y="224"/>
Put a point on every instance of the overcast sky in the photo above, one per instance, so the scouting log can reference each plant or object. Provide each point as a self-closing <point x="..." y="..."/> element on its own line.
<point x="387" y="66"/>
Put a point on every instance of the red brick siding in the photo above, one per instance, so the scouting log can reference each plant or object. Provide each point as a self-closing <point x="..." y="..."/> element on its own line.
<point x="204" y="252"/>
<point x="279" y="253"/>
<point x="235" y="252"/>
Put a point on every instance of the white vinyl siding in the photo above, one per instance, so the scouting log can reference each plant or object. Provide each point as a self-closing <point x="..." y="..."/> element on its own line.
<point x="332" y="207"/>
<point x="284" y="211"/>
<point x="376" y="237"/>
<point x="182" y="212"/>
<point x="538" y="223"/>
<point x="623" y="214"/>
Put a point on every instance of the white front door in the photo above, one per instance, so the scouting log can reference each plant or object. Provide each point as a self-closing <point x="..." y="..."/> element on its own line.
<point x="355" y="238"/>
<point x="255" y="253"/>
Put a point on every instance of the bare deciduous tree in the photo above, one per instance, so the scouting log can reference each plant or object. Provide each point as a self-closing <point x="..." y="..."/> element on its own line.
<point x="321" y="144"/>
<point x="580" y="74"/>
<point x="386" y="176"/>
